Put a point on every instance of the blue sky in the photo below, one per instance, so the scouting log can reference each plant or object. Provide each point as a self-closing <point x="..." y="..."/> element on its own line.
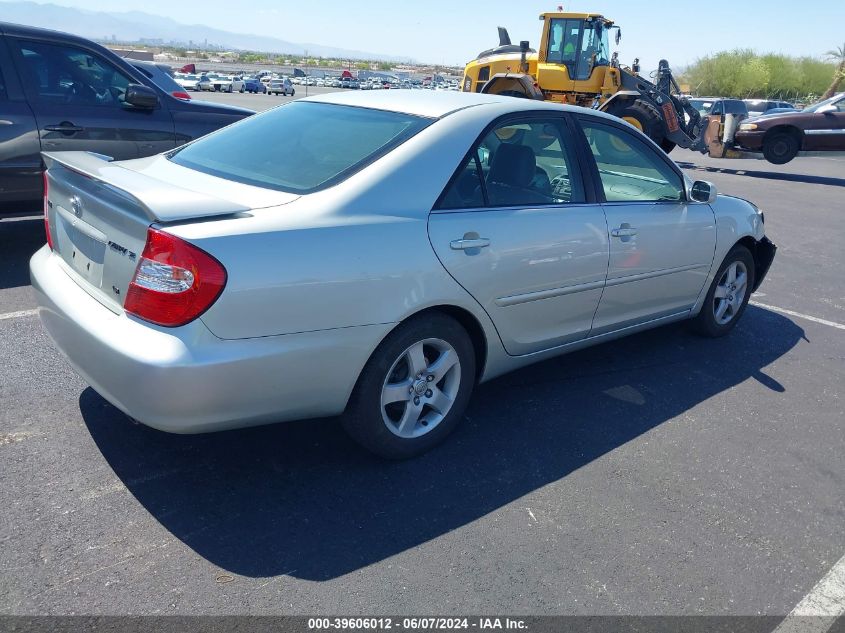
<point x="452" y="32"/>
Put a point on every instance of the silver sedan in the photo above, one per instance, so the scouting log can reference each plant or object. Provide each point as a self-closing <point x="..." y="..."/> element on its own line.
<point x="377" y="255"/>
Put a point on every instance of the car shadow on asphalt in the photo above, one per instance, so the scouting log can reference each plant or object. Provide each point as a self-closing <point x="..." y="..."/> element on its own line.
<point x="301" y="499"/>
<point x="20" y="239"/>
<point x="768" y="175"/>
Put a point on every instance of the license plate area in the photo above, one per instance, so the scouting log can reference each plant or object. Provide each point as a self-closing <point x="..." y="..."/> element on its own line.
<point x="82" y="247"/>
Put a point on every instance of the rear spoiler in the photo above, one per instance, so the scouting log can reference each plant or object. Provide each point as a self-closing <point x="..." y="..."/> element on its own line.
<point x="160" y="201"/>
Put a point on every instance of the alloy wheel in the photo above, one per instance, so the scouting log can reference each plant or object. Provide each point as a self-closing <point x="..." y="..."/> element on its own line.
<point x="420" y="388"/>
<point x="730" y="293"/>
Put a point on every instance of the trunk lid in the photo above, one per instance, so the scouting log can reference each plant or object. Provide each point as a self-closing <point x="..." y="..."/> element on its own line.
<point x="99" y="212"/>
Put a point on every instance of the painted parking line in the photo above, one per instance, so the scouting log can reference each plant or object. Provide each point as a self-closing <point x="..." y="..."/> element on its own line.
<point x="17" y="315"/>
<point x="838" y="326"/>
<point x="820" y="608"/>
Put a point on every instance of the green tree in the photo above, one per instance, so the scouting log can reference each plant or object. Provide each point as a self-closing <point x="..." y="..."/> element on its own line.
<point x="837" y="55"/>
<point x="743" y="73"/>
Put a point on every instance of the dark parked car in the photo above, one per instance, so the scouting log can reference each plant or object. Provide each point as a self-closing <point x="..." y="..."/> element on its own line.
<point x="759" y="107"/>
<point x="160" y="75"/>
<point x="736" y="107"/>
<point x="61" y="92"/>
<point x="254" y="84"/>
<point x="819" y="128"/>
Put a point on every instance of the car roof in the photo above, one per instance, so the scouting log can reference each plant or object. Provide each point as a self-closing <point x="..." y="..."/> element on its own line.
<point x="432" y="104"/>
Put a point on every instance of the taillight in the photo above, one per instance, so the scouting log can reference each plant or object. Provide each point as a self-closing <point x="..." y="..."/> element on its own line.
<point x="182" y="95"/>
<point x="175" y="282"/>
<point x="46" y="208"/>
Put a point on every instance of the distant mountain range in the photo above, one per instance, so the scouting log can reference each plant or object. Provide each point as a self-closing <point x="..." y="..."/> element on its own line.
<point x="132" y="26"/>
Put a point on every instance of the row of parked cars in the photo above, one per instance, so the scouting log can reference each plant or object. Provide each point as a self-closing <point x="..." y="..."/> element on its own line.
<point x="372" y="83"/>
<point x="778" y="129"/>
<point x="748" y="107"/>
<point x="235" y="83"/>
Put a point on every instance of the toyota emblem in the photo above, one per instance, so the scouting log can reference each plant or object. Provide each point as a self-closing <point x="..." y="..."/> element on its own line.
<point x="76" y="206"/>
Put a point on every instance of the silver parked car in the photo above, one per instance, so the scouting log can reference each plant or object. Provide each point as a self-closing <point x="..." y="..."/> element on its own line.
<point x="280" y="87"/>
<point x="376" y="255"/>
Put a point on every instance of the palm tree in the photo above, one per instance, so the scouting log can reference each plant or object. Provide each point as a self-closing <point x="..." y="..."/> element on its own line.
<point x="837" y="55"/>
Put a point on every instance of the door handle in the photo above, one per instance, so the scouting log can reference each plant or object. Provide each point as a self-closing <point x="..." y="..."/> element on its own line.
<point x="624" y="231"/>
<point x="464" y="244"/>
<point x="65" y="127"/>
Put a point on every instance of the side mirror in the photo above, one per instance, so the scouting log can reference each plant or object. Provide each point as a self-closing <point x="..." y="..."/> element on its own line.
<point x="703" y="191"/>
<point x="618" y="36"/>
<point x="141" y="96"/>
<point x="828" y="109"/>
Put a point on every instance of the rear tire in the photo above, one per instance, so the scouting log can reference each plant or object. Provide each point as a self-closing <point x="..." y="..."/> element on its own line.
<point x="728" y="294"/>
<point x="780" y="148"/>
<point x="413" y="391"/>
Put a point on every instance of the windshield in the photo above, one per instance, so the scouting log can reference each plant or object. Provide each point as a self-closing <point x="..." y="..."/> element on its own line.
<point x="596" y="43"/>
<point x="816" y="107"/>
<point x="300" y="147"/>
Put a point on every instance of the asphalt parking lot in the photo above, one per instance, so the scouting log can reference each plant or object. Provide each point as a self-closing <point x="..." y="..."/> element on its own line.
<point x="660" y="474"/>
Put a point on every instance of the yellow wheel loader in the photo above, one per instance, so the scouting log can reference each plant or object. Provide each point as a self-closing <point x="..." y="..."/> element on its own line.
<point x="574" y="66"/>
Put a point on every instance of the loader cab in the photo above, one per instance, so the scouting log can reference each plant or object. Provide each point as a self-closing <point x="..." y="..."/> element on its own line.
<point x="578" y="41"/>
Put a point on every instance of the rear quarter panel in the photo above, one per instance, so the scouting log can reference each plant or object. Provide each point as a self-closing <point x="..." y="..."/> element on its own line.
<point x="354" y="254"/>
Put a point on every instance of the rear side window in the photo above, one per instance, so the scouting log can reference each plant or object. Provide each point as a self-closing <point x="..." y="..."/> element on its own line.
<point x="301" y="147"/>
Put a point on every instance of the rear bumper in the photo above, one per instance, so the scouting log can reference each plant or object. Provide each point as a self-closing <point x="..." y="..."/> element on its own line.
<point x="764" y="255"/>
<point x="186" y="380"/>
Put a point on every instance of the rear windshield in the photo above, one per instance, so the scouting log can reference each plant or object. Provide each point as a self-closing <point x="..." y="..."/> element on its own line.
<point x="300" y="147"/>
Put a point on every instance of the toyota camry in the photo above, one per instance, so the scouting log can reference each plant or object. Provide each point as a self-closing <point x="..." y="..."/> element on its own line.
<point x="376" y="255"/>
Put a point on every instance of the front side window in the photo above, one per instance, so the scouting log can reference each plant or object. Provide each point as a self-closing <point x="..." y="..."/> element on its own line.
<point x="524" y="163"/>
<point x="66" y="74"/>
<point x="300" y="147"/>
<point x="630" y="170"/>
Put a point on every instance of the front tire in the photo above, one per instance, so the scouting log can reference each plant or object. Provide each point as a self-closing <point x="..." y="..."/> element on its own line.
<point x="780" y="148"/>
<point x="728" y="295"/>
<point x="414" y="389"/>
